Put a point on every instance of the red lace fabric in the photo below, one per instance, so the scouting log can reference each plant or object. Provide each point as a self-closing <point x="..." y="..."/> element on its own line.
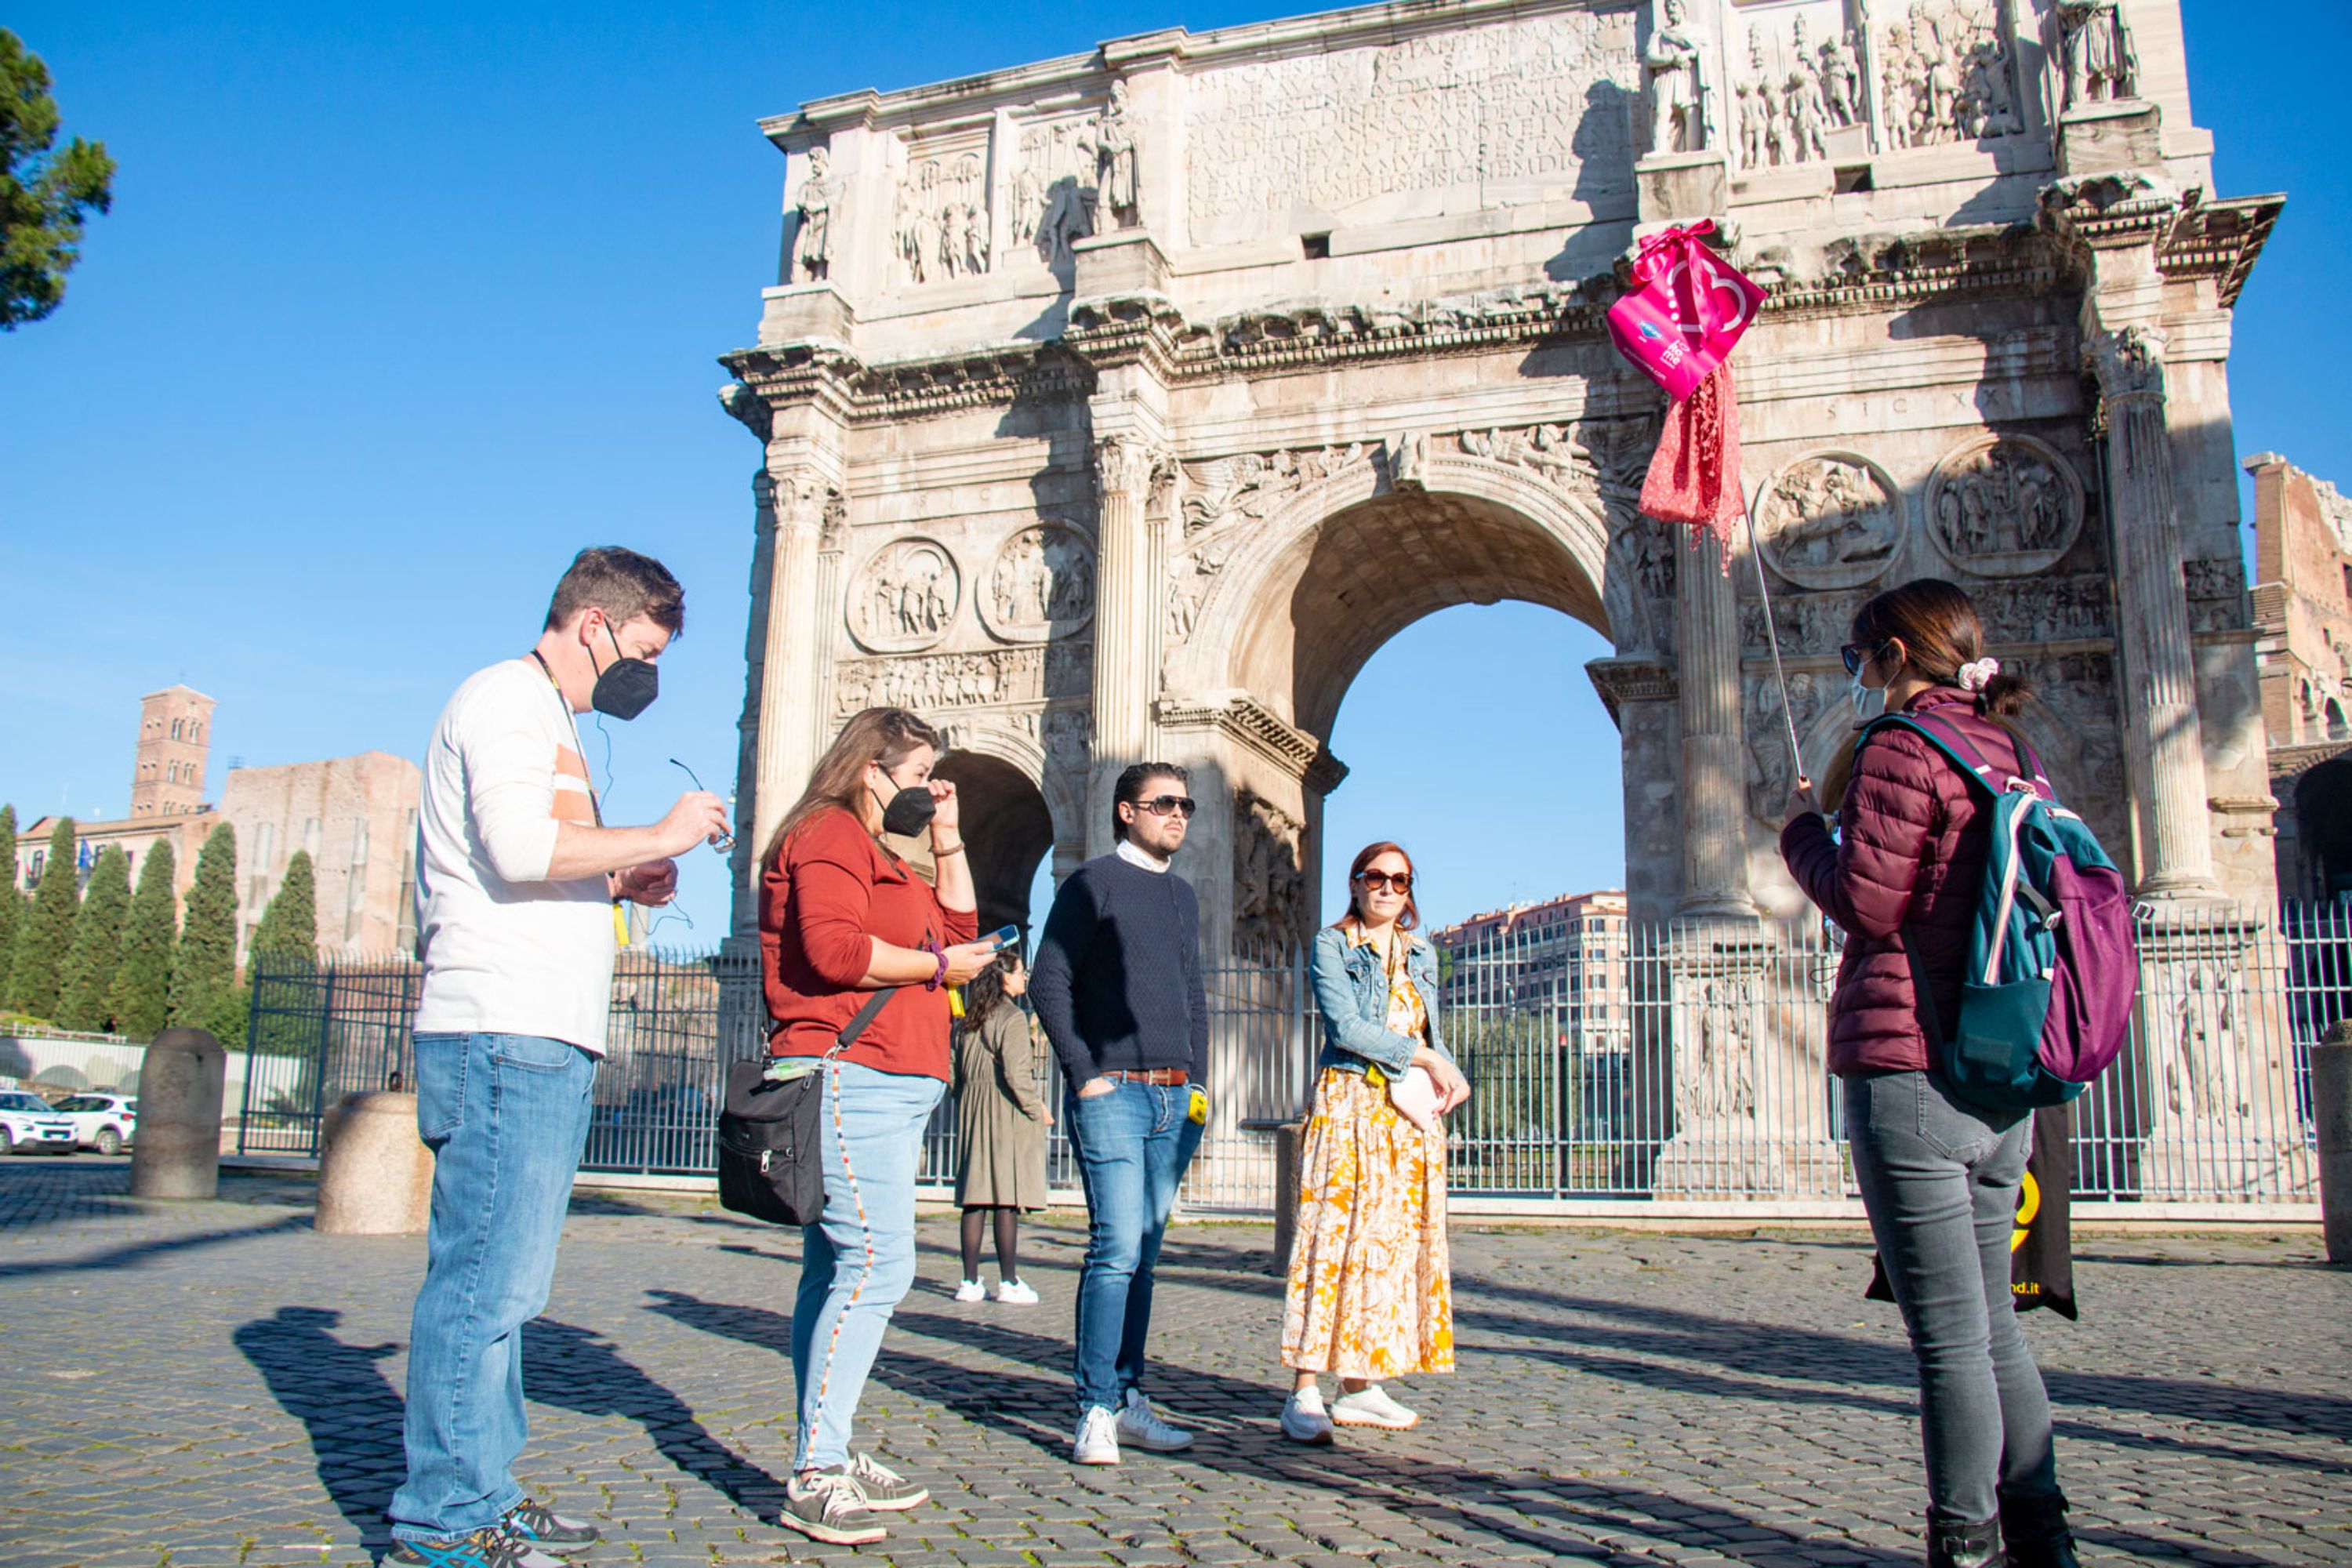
<point x="1694" y="477"/>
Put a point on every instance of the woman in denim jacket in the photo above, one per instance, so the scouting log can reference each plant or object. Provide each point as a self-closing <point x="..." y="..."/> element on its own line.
<point x="1369" y="1297"/>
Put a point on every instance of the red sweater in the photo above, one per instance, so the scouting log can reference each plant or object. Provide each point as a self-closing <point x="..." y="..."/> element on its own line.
<point x="831" y="890"/>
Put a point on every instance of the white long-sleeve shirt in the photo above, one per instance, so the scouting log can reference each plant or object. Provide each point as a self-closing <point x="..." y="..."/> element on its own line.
<point x="506" y="951"/>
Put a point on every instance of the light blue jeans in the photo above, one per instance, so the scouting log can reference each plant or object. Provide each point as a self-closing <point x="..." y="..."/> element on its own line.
<point x="505" y="1116"/>
<point x="858" y="1260"/>
<point x="1939" y="1180"/>
<point x="1133" y="1145"/>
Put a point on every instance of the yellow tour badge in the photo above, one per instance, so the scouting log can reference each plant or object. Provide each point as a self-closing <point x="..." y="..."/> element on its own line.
<point x="1200" y="1108"/>
<point x="2028" y="1204"/>
<point x="1376" y="1077"/>
<point x="620" y="923"/>
<point x="955" y="1002"/>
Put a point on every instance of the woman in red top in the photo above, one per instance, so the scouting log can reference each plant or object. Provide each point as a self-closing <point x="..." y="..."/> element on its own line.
<point x="842" y="918"/>
<point x="1939" y="1176"/>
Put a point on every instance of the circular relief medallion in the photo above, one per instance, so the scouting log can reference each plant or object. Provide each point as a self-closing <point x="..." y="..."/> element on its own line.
<point x="2004" y="506"/>
<point x="905" y="596"/>
<point x="1830" y="519"/>
<point x="1040" y="586"/>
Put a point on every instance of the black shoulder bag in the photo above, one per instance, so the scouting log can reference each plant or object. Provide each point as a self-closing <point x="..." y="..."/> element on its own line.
<point x="771" y="1163"/>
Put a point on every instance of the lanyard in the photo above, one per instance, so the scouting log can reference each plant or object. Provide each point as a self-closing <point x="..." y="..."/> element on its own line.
<point x="595" y="810"/>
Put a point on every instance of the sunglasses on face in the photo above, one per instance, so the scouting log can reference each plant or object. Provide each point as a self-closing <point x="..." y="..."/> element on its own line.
<point x="1381" y="881"/>
<point x="1856" y="654"/>
<point x="1161" y="805"/>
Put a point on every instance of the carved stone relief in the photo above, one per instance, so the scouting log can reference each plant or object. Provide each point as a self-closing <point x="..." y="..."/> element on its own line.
<point x="1809" y="694"/>
<point x="2215" y="586"/>
<point x="1793" y="94"/>
<point x="1545" y="449"/>
<point x="1809" y="625"/>
<point x="1642" y="553"/>
<point x="940" y="229"/>
<point x="2095" y="49"/>
<point x="905" y="597"/>
<point x="2004" y="506"/>
<point x="1948" y="74"/>
<point x="1830" y="519"/>
<point x="1483" y="106"/>
<point x="1053" y="192"/>
<point x="812" y="251"/>
<point x="2048" y="610"/>
<point x="1069" y="741"/>
<point x="1269" y="888"/>
<point x="1041" y="585"/>
<point x="940" y="681"/>
<point x="2077" y="691"/>
<point x="1674" y="63"/>
<point x="1189" y="578"/>
<point x="1247" y="487"/>
<point x="1114" y="140"/>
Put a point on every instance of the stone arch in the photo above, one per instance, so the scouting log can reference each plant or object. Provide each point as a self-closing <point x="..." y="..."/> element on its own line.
<point x="1012" y="819"/>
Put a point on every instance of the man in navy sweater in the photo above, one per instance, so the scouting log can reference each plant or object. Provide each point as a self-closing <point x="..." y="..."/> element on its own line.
<point x="1118" y="986"/>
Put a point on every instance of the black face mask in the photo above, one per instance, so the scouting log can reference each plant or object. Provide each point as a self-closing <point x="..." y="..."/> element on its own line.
<point x="626" y="687"/>
<point x="908" y="812"/>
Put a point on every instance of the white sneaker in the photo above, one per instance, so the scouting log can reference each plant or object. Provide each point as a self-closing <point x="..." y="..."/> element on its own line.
<point x="1139" y="1423"/>
<point x="1305" y="1423"/>
<point x="1371" y="1407"/>
<point x="1013" y="1293"/>
<point x="972" y="1290"/>
<point x="1098" y="1439"/>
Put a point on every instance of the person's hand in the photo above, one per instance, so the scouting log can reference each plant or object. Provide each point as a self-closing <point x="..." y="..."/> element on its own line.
<point x="698" y="817"/>
<point x="653" y="884"/>
<point x="1096" y="1087"/>
<point x="947" y="812"/>
<point x="966" y="959"/>
<point x="1453" y="1088"/>
<point x="1801" y="802"/>
<point x="1045" y="1117"/>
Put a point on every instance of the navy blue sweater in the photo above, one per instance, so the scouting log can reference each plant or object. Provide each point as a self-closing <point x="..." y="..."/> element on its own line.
<point x="1117" y="978"/>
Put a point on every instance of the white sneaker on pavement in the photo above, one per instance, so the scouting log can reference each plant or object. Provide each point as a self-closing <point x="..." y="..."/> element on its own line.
<point x="1371" y="1407"/>
<point x="972" y="1290"/>
<point x="1014" y="1293"/>
<point x="1140" y="1425"/>
<point x="1098" y="1439"/>
<point x="1306" y="1422"/>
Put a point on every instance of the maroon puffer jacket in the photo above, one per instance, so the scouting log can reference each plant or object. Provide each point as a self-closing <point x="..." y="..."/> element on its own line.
<point x="1916" y="838"/>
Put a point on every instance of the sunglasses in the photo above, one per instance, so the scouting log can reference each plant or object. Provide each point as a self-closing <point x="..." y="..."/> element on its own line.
<point x="1856" y="653"/>
<point x="1381" y="881"/>
<point x="1161" y="805"/>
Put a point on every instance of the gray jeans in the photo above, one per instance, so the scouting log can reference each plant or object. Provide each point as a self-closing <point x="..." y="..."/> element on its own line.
<point x="1939" y="1180"/>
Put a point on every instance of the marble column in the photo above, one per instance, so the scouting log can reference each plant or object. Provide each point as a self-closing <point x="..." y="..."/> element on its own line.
<point x="789" y="677"/>
<point x="1706" y="651"/>
<point x="2167" y="761"/>
<point x="1127" y="631"/>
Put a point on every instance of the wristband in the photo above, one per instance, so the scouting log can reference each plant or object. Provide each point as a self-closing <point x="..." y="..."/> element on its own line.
<point x="935" y="950"/>
<point x="940" y="854"/>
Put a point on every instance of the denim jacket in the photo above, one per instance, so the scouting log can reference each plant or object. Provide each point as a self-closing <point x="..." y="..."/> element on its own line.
<point x="1352" y="991"/>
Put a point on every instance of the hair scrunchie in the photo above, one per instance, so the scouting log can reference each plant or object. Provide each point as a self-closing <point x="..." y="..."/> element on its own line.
<point x="1978" y="674"/>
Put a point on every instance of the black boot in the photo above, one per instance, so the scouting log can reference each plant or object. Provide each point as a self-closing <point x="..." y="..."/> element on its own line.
<point x="1953" y="1545"/>
<point x="2037" y="1533"/>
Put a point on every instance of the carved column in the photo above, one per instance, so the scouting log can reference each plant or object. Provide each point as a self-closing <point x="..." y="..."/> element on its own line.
<point x="2161" y="687"/>
<point x="1706" y="649"/>
<point x="789" y="674"/>
<point x="1127" y="627"/>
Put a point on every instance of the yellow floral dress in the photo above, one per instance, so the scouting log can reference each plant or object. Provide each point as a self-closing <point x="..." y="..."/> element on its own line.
<point x="1371" y="1293"/>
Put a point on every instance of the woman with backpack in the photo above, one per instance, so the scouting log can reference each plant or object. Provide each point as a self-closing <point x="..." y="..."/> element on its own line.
<point x="854" y="945"/>
<point x="1939" y="1176"/>
<point x="1000" y="1122"/>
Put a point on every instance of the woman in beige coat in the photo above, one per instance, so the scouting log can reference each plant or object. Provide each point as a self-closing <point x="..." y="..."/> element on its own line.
<point x="1000" y="1122"/>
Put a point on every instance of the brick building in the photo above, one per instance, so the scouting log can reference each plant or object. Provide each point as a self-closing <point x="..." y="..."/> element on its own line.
<point x="1567" y="954"/>
<point x="2303" y="616"/>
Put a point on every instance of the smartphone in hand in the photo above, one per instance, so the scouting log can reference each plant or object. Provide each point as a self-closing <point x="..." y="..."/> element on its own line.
<point x="1003" y="937"/>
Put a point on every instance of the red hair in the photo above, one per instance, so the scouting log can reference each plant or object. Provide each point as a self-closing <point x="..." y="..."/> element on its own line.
<point x="1410" y="918"/>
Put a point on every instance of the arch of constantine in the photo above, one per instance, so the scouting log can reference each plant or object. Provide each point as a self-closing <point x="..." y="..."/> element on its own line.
<point x="1122" y="406"/>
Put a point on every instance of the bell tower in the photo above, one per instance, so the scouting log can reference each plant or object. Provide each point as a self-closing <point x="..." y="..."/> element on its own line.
<point x="175" y="736"/>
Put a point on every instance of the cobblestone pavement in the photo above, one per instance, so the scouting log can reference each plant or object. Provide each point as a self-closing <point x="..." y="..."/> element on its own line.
<point x="213" y="1384"/>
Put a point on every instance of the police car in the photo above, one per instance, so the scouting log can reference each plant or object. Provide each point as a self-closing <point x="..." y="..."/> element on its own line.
<point x="27" y="1125"/>
<point x="102" y="1119"/>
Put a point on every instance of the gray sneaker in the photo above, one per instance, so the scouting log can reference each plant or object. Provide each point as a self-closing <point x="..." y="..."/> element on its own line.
<point x="542" y="1526"/>
<point x="827" y="1505"/>
<point x="886" y="1491"/>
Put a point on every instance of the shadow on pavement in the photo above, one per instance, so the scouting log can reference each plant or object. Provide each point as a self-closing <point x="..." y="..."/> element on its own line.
<point x="349" y="1408"/>
<point x="133" y="1254"/>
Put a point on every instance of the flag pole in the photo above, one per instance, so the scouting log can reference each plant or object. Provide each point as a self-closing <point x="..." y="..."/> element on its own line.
<point x="1772" y="637"/>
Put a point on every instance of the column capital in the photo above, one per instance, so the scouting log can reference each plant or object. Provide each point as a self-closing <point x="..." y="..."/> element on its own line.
<point x="1131" y="462"/>
<point x="2128" y="364"/>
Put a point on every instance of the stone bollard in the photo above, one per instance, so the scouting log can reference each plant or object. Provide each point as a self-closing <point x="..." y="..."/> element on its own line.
<point x="2331" y="1104"/>
<point x="1286" y="1141"/>
<point x="177" y="1152"/>
<point x="376" y="1177"/>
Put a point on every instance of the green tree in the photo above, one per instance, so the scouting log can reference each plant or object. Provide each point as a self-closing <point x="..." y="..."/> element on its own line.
<point x="88" y="985"/>
<point x="285" y="950"/>
<point x="44" y="192"/>
<point x="38" y="967"/>
<point x="289" y="925"/>
<point x="142" y="985"/>
<point x="204" y="964"/>
<point x="12" y="902"/>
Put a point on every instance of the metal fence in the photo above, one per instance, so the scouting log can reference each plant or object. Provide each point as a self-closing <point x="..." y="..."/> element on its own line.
<point x="1677" y="1065"/>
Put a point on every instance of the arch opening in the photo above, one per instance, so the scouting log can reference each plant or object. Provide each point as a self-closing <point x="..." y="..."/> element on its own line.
<point x="1008" y="831"/>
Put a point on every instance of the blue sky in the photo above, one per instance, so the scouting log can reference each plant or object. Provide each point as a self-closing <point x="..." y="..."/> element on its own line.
<point x="399" y="304"/>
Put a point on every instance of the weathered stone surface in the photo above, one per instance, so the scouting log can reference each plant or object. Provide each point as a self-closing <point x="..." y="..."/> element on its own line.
<point x="376" y="1175"/>
<point x="181" y="1081"/>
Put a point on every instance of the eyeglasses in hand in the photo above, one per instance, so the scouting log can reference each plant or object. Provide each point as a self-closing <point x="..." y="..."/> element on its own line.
<point x="721" y="845"/>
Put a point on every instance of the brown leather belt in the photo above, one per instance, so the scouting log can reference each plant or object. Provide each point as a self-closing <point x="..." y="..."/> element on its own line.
<point x="1164" y="1077"/>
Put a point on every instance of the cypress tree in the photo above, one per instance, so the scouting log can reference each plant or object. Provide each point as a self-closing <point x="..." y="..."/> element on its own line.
<point x="290" y="924"/>
<point x="283" y="954"/>
<point x="38" y="964"/>
<point x="88" y="985"/>
<point x="12" y="902"/>
<point x="204" y="964"/>
<point x="143" y="984"/>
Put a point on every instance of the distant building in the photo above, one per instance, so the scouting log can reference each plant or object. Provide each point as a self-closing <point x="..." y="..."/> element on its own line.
<point x="1567" y="954"/>
<point x="356" y="815"/>
<point x="2303" y="619"/>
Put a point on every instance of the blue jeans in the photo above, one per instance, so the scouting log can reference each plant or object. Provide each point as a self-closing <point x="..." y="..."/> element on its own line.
<point x="1133" y="1144"/>
<point x="505" y="1116"/>
<point x="858" y="1260"/>
<point x="1939" y="1180"/>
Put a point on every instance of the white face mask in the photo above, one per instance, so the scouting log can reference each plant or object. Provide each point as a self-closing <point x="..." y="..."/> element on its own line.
<point x="1869" y="702"/>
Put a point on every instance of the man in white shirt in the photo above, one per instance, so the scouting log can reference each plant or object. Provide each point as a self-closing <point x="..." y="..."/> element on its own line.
<point x="519" y="888"/>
